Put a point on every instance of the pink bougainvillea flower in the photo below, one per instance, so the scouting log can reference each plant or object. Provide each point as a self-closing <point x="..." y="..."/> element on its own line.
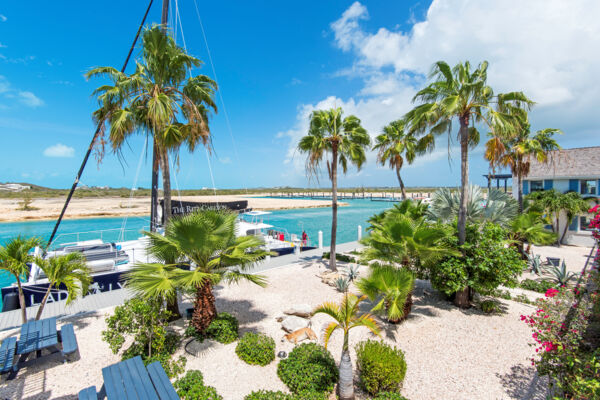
<point x="551" y="292"/>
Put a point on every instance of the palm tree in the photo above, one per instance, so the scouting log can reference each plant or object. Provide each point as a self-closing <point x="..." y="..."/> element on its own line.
<point x="68" y="270"/>
<point x="465" y="95"/>
<point x="156" y="281"/>
<point x="395" y="145"/>
<point x="14" y="257"/>
<point x="205" y="242"/>
<point x="157" y="100"/>
<point x="530" y="228"/>
<point x="499" y="207"/>
<point x="347" y="316"/>
<point x="519" y="147"/>
<point x="346" y="140"/>
<point x="572" y="205"/>
<point x="394" y="286"/>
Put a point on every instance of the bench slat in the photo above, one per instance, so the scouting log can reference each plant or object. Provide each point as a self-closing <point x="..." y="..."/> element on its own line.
<point x="88" y="394"/>
<point x="69" y="340"/>
<point x="7" y="353"/>
<point x="145" y="382"/>
<point x="112" y="382"/>
<point x="161" y="382"/>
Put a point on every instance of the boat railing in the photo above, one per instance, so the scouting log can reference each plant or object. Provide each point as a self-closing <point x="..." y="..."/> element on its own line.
<point x="111" y="235"/>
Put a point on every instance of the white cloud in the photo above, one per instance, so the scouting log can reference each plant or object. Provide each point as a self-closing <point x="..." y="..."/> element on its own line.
<point x="541" y="47"/>
<point x="225" y="160"/>
<point x="59" y="150"/>
<point x="3" y="18"/>
<point x="4" y="84"/>
<point x="30" y="99"/>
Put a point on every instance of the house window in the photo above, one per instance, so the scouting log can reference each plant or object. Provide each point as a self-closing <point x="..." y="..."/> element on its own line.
<point x="589" y="187"/>
<point x="536" y="186"/>
<point x="584" y="223"/>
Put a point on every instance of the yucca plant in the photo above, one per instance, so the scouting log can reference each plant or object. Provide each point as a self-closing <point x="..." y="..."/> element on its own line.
<point x="560" y="275"/>
<point x="393" y="287"/>
<point x="347" y="316"/>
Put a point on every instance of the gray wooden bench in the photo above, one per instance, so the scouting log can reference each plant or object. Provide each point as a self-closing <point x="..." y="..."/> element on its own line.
<point x="7" y="354"/>
<point x="88" y="394"/>
<point x="69" y="341"/>
<point x="162" y="384"/>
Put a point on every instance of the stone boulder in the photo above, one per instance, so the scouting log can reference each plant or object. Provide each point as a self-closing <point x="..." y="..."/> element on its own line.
<point x="300" y="310"/>
<point x="293" y="323"/>
<point x="329" y="277"/>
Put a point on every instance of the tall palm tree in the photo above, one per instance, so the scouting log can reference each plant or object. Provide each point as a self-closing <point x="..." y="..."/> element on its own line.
<point x="14" y="259"/>
<point x="68" y="270"/>
<point x="205" y="242"/>
<point x="517" y="148"/>
<point x="156" y="281"/>
<point x="157" y="100"/>
<point x="464" y="94"/>
<point x="395" y="145"/>
<point x="346" y="140"/>
<point x="347" y="316"/>
<point x="393" y="286"/>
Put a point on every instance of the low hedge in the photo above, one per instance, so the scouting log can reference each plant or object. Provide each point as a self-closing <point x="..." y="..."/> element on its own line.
<point x="340" y="257"/>
<point x="309" y="367"/>
<point x="191" y="387"/>
<point x="223" y="329"/>
<point x="381" y="367"/>
<point x="536" y="286"/>
<point x="256" y="349"/>
<point x="279" y="395"/>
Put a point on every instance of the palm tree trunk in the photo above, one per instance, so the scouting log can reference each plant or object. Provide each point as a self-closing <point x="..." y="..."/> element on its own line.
<point x="346" y="384"/>
<point x="558" y="238"/>
<point x="173" y="308"/>
<point x="520" y="192"/>
<point x="204" y="307"/>
<point x="41" y="309"/>
<point x="166" y="177"/>
<point x="334" y="206"/>
<point x="402" y="189"/>
<point x="562" y="237"/>
<point x="461" y="298"/>
<point x="21" y="300"/>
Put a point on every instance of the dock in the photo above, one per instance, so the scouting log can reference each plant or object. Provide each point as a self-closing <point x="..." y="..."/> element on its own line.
<point x="373" y="196"/>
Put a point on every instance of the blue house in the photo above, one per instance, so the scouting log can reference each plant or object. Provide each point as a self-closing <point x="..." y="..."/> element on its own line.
<point x="569" y="170"/>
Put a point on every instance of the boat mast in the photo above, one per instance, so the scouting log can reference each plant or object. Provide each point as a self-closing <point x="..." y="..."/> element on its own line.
<point x="155" y="167"/>
<point x="95" y="137"/>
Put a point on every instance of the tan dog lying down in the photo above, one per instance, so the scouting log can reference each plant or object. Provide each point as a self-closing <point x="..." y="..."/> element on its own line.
<point x="300" y="335"/>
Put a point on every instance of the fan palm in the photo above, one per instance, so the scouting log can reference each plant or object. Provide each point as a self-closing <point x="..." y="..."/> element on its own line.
<point x="411" y="208"/>
<point x="346" y="140"/>
<point x="69" y="271"/>
<point x="205" y="242"/>
<point x="530" y="228"/>
<point x="14" y="259"/>
<point x="516" y="149"/>
<point x="393" y="286"/>
<point x="464" y="94"/>
<point x="347" y="316"/>
<point x="500" y="208"/>
<point x="395" y="146"/>
<point x="157" y="100"/>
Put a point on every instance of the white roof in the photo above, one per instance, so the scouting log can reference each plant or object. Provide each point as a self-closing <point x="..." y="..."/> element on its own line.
<point x="256" y="213"/>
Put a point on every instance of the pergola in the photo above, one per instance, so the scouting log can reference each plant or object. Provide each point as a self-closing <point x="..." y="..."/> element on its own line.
<point x="498" y="178"/>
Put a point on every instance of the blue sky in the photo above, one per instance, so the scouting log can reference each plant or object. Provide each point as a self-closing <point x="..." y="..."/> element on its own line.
<point x="276" y="62"/>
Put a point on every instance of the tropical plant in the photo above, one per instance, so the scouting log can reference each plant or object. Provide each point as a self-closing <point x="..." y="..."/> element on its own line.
<point x="70" y="271"/>
<point x="308" y="368"/>
<point x="572" y="205"/>
<point x="516" y="148"/>
<point x="279" y="395"/>
<point x="464" y="94"/>
<point x="156" y="100"/>
<point x="535" y="263"/>
<point x="411" y="208"/>
<point x="205" y="240"/>
<point x="352" y="272"/>
<point x="531" y="228"/>
<point x="346" y="140"/>
<point x="224" y="328"/>
<point x="499" y="207"/>
<point x="342" y="284"/>
<point x="536" y="286"/>
<point x="560" y="275"/>
<point x="14" y="259"/>
<point x="393" y="287"/>
<point x="395" y="146"/>
<point x="382" y="367"/>
<point x="347" y="316"/>
<point x="191" y="387"/>
<point x="490" y="306"/>
<point x="256" y="348"/>
<point x="155" y="280"/>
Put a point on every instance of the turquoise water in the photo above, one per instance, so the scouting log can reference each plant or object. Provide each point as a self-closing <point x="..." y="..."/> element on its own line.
<point x="311" y="220"/>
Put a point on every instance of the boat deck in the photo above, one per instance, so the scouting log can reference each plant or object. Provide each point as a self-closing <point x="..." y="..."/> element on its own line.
<point x="93" y="302"/>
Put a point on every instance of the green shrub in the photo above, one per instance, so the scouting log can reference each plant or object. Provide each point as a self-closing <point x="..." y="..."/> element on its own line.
<point x="279" y="395"/>
<point x="339" y="257"/>
<point x="389" y="396"/>
<point x="381" y="367"/>
<point x="191" y="387"/>
<point x="223" y="329"/>
<point x="172" y="368"/>
<point x="489" y="306"/>
<point x="309" y="367"/>
<point x="536" y="286"/>
<point x="256" y="348"/>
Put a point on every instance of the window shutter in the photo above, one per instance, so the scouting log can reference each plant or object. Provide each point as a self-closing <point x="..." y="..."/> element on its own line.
<point x="525" y="187"/>
<point x="574" y="223"/>
<point x="548" y="183"/>
<point x="573" y="185"/>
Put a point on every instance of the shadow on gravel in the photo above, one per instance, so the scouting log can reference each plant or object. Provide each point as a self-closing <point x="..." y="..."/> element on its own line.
<point x="523" y="383"/>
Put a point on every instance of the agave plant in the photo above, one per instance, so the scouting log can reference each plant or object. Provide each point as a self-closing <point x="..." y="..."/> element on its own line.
<point x="352" y="272"/>
<point x="342" y="284"/>
<point x="560" y="275"/>
<point x="535" y="262"/>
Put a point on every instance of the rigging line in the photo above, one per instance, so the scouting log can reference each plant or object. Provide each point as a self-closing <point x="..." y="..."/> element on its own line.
<point x="135" y="181"/>
<point x="212" y="178"/>
<point x="96" y="134"/>
<point x="212" y="65"/>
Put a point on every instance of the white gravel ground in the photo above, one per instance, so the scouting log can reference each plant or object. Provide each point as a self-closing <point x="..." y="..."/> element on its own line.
<point x="451" y="353"/>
